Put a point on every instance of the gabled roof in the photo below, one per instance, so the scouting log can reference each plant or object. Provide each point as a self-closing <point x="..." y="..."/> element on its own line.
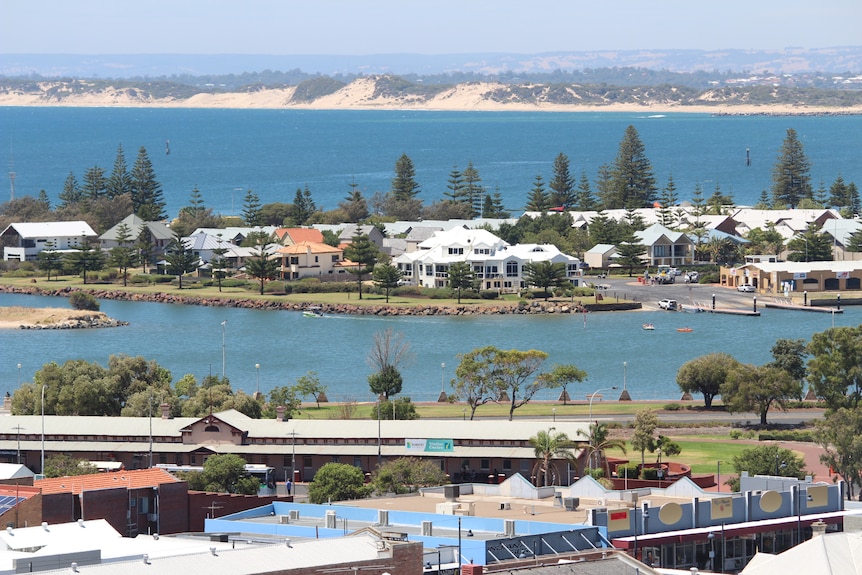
<point x="655" y="232"/>
<point x="158" y="230"/>
<point x="136" y="479"/>
<point x="14" y="471"/>
<point x="601" y="249"/>
<point x="829" y="554"/>
<point x="300" y="234"/>
<point x="75" y="229"/>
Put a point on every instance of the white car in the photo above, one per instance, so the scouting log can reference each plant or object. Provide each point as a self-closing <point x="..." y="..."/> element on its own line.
<point x="748" y="288"/>
<point x="668" y="304"/>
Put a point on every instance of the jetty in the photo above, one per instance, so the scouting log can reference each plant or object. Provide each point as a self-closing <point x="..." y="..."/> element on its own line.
<point x="724" y="310"/>
<point x="797" y="307"/>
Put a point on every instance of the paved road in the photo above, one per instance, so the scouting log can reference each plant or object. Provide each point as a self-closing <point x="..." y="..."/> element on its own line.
<point x="686" y="294"/>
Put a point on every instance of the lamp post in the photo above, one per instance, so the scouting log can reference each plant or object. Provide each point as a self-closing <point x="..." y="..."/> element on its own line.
<point x="554" y="413"/>
<point x="594" y="394"/>
<point x="292" y="455"/>
<point x="379" y="450"/>
<point x="42" y="468"/>
<point x="464" y="413"/>
<point x="19" y="375"/>
<point x="18" y="429"/>
<point x="442" y="377"/>
<point x="257" y="377"/>
<point x="223" y="324"/>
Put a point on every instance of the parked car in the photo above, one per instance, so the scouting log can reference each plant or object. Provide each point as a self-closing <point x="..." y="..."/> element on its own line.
<point x="668" y="304"/>
<point x="745" y="288"/>
<point x="692" y="277"/>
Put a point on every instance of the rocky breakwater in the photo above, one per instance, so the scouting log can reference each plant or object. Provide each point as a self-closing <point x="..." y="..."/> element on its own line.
<point x="88" y="321"/>
<point x="523" y="307"/>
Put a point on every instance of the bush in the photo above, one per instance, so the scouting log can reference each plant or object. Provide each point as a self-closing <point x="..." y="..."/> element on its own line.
<point x="631" y="471"/>
<point x="596" y="473"/>
<point x="409" y="291"/>
<point x="439" y="293"/>
<point x="650" y="473"/>
<point x="83" y="300"/>
<point x="735" y="434"/>
<point x="489" y="294"/>
<point x="787" y="435"/>
<point x="671" y="407"/>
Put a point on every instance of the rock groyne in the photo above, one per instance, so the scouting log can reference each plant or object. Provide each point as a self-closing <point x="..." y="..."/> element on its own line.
<point x="419" y="309"/>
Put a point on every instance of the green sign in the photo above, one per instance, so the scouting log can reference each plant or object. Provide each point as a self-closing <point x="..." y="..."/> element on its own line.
<point x="430" y="445"/>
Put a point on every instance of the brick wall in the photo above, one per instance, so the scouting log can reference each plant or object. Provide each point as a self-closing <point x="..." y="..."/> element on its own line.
<point x="173" y="508"/>
<point x="26" y="514"/>
<point x="60" y="508"/>
<point x="108" y="504"/>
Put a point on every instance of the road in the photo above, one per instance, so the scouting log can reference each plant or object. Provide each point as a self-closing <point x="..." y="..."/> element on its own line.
<point x="686" y="294"/>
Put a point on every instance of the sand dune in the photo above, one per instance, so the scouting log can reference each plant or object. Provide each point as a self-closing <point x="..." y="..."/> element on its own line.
<point x="362" y="94"/>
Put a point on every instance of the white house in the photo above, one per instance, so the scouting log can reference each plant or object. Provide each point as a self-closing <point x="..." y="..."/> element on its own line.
<point x="498" y="265"/>
<point x="23" y="241"/>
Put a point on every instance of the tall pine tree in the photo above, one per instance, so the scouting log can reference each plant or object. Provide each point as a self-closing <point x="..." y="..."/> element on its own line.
<point x="791" y="179"/>
<point x="404" y="185"/>
<point x="537" y="200"/>
<point x="120" y="181"/>
<point x="562" y="183"/>
<point x="147" y="198"/>
<point x="633" y="182"/>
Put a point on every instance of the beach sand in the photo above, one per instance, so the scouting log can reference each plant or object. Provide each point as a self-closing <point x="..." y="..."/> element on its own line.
<point x="14" y="317"/>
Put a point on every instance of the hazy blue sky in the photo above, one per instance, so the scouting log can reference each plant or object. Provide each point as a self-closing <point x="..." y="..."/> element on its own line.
<point x="419" y="26"/>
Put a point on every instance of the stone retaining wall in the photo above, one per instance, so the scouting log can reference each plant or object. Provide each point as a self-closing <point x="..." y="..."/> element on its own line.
<point x="522" y="308"/>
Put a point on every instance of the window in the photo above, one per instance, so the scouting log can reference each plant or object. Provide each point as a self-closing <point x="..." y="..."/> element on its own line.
<point x="316" y="259"/>
<point x="306" y="461"/>
<point x="456" y="251"/>
<point x="507" y="465"/>
<point x="486" y="464"/>
<point x="511" y="269"/>
<point x="294" y="260"/>
<point x="335" y="259"/>
<point x="490" y="270"/>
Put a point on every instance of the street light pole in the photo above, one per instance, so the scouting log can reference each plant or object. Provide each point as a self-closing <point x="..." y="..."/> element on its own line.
<point x="594" y="394"/>
<point x="442" y="377"/>
<point x="625" y="366"/>
<point x="42" y="468"/>
<point x="223" y="348"/>
<point x="19" y="375"/>
<point x="257" y="376"/>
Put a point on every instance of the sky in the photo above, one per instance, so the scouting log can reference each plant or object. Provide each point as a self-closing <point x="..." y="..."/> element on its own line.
<point x="360" y="27"/>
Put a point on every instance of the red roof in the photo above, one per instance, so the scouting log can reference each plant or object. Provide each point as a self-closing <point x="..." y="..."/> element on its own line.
<point x="300" y="234"/>
<point x="136" y="479"/>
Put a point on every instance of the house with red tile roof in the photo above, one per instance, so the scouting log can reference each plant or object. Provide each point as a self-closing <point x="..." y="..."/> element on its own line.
<point x="291" y="236"/>
<point x="311" y="259"/>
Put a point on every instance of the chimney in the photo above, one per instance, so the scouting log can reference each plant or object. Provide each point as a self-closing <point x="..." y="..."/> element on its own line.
<point x="166" y="410"/>
<point x="279" y="413"/>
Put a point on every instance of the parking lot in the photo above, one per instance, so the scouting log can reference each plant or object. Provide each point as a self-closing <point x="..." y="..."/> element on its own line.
<point x="685" y="293"/>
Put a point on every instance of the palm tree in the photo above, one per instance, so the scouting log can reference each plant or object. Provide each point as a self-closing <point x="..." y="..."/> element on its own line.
<point x="600" y="441"/>
<point x="550" y="445"/>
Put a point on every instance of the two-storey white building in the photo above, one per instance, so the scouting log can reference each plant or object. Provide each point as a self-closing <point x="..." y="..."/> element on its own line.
<point x="24" y="241"/>
<point x="496" y="264"/>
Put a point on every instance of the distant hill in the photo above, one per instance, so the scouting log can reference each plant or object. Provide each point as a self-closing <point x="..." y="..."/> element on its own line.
<point x="837" y="60"/>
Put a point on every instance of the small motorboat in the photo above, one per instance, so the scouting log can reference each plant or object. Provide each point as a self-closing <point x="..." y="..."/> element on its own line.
<point x="648" y="327"/>
<point x="684" y="329"/>
<point x="312" y="312"/>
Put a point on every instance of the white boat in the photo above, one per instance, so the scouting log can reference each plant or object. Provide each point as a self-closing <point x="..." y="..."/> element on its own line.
<point x="648" y="327"/>
<point x="312" y="312"/>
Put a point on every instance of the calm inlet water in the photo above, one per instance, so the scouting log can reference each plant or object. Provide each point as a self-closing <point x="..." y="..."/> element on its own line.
<point x="188" y="339"/>
<point x="274" y="152"/>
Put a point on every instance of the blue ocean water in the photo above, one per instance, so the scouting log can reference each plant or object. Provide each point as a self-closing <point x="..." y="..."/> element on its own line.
<point x="274" y="152"/>
<point x="611" y="347"/>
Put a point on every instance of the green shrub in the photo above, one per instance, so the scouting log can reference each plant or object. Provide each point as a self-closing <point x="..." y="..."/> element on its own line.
<point x="409" y="291"/>
<point x="439" y="293"/>
<point x="735" y="434"/>
<point x="650" y="473"/>
<point x="596" y="473"/>
<point x="527" y="295"/>
<point x="83" y="300"/>
<point x="671" y="407"/>
<point x="787" y="435"/>
<point x="630" y="471"/>
<point x="489" y="294"/>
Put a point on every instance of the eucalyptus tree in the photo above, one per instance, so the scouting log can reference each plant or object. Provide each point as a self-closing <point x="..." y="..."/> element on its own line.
<point x="758" y="388"/>
<point x="705" y="375"/>
<point x="835" y="366"/>
<point x="560" y="376"/>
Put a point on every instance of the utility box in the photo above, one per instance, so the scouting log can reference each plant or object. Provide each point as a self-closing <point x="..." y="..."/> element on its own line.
<point x="571" y="503"/>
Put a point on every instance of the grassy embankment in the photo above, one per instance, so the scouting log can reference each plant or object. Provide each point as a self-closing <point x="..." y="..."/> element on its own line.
<point x="251" y="292"/>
